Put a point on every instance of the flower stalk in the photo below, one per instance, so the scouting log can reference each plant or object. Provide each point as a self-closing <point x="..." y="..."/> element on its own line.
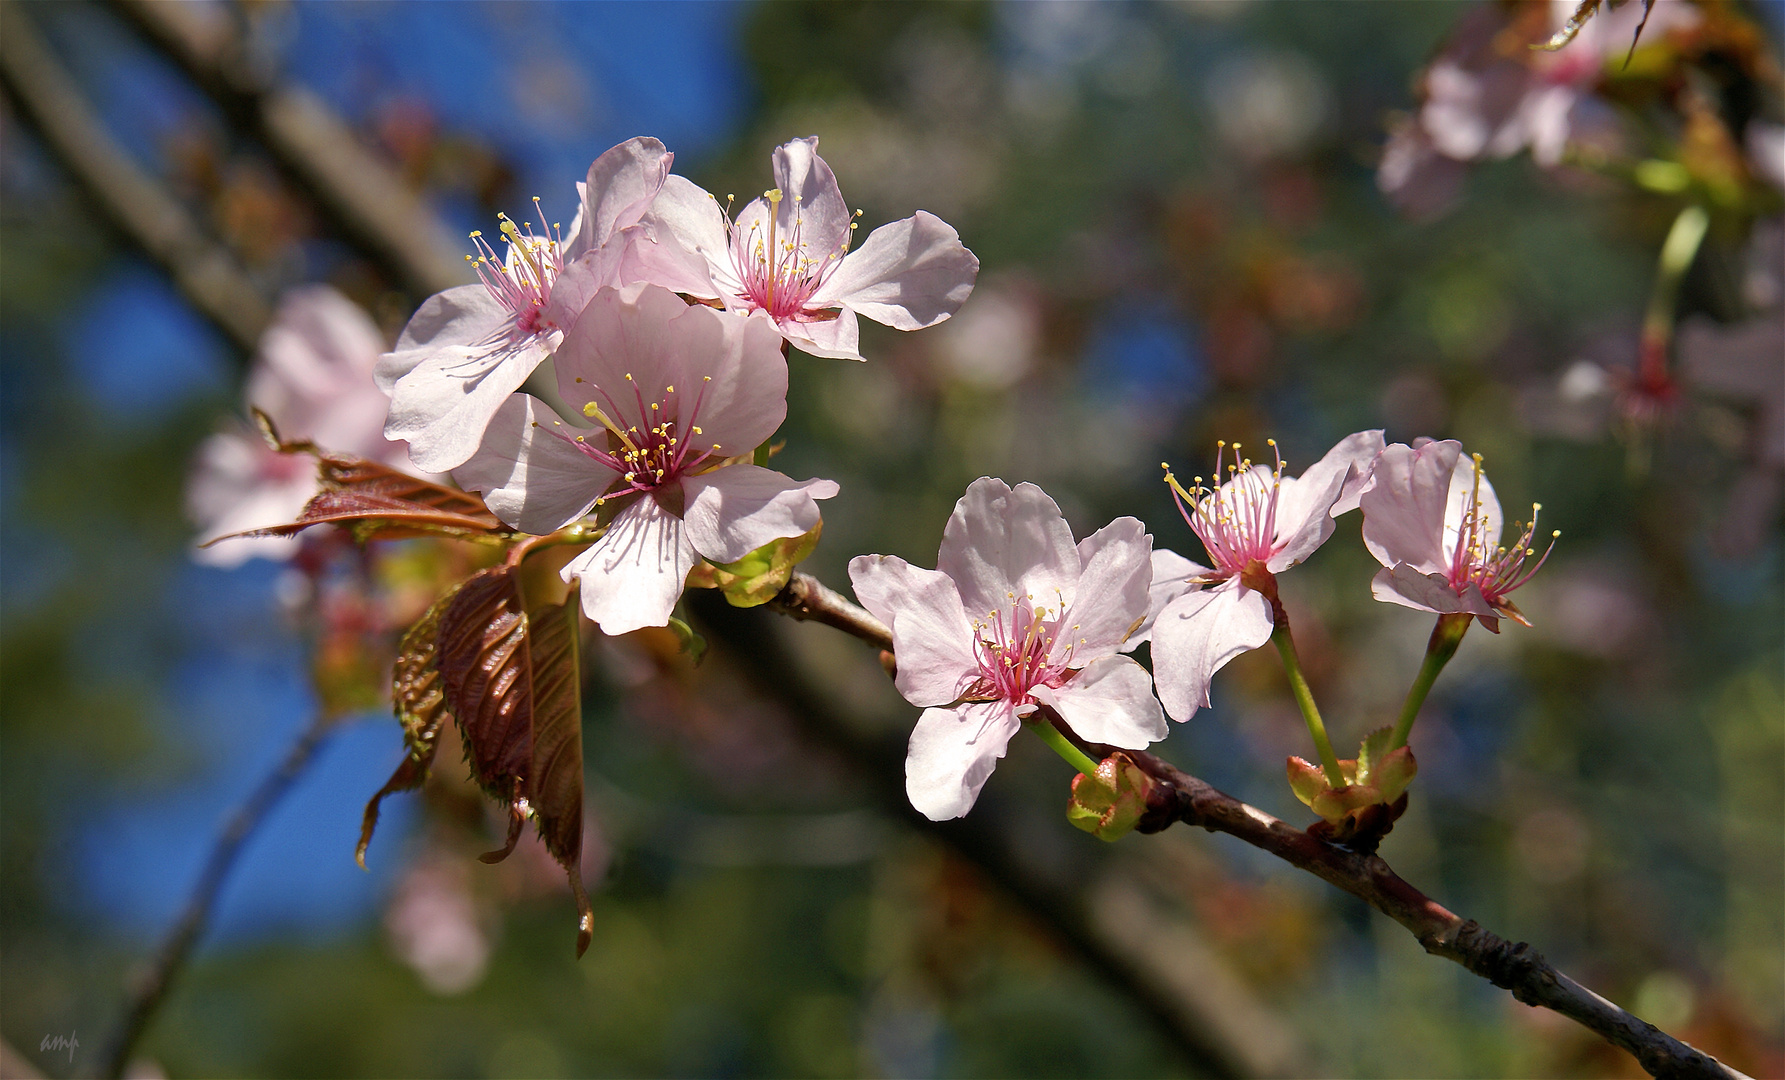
<point x="1446" y="636"/>
<point x="1304" y="698"/>
<point x="1061" y="745"/>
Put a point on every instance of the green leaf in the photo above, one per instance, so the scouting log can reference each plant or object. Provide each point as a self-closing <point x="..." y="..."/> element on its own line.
<point x="1371" y="751"/>
<point x="758" y="576"/>
<point x="1306" y="780"/>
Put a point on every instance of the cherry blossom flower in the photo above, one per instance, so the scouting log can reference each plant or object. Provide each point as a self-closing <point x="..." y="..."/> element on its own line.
<point x="467" y="349"/>
<point x="1432" y="520"/>
<point x="1254" y="525"/>
<point x="1015" y="617"/>
<point x="312" y="376"/>
<point x="682" y="395"/>
<point x="788" y="256"/>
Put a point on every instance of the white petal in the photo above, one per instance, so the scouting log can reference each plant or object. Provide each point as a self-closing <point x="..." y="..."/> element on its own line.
<point x="443" y="406"/>
<point x="1197" y="634"/>
<point x="237" y="484"/>
<point x="837" y="339"/>
<point x="735" y="510"/>
<point x="1307" y="504"/>
<point x="683" y="242"/>
<point x="532" y="479"/>
<point x="463" y="315"/>
<point x="621" y="185"/>
<point x="1404" y="507"/>
<point x="1116" y="569"/>
<point x="1171" y="579"/>
<point x="1111" y="701"/>
<point x="1404" y="585"/>
<point x="634" y="574"/>
<point x="1001" y="541"/>
<point x="910" y="274"/>
<point x="1457" y="501"/>
<point x="952" y="753"/>
<point x="932" y="637"/>
<point x="810" y="196"/>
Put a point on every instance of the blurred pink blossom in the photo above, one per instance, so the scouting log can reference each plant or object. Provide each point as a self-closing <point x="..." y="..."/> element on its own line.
<point x="312" y="376"/>
<point x="1048" y="618"/>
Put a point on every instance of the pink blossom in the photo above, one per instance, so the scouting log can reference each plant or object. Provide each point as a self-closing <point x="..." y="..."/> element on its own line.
<point x="312" y="376"/>
<point x="1254" y="525"/>
<point x="1015" y="617"/>
<point x="467" y="349"/>
<point x="1432" y="520"/>
<point x="681" y="395"/>
<point x="788" y="256"/>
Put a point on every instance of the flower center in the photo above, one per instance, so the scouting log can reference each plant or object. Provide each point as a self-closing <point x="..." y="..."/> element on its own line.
<point x="1495" y="570"/>
<point x="1013" y="646"/>
<point x="523" y="282"/>
<point x="1236" y="520"/>
<point x="651" y="454"/>
<point x="778" y="273"/>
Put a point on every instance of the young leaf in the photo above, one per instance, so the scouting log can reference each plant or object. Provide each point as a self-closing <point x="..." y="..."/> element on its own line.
<point x="511" y="680"/>
<point x="416" y="697"/>
<point x="1371" y="752"/>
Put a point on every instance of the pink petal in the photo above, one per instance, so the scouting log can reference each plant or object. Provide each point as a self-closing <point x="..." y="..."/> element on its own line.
<point x="1462" y="493"/>
<point x="1116" y="570"/>
<point x="809" y="193"/>
<point x="1407" y="586"/>
<point x="932" y="637"/>
<point x="1307" y="504"/>
<point x="1001" y="541"/>
<point x="621" y="185"/>
<point x="532" y="479"/>
<point x="731" y="366"/>
<point x="1405" y="506"/>
<point x="232" y="489"/>
<point x="1197" y="634"/>
<point x="634" y="574"/>
<point x="682" y="243"/>
<point x="1171" y="579"/>
<point x="1111" y="701"/>
<point x="952" y="753"/>
<point x="735" y="510"/>
<point x="910" y="274"/>
<point x="463" y="315"/>
<point x="837" y="339"/>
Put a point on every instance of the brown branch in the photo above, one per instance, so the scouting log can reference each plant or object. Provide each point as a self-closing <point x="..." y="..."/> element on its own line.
<point x="361" y="195"/>
<point x="152" y="987"/>
<point x="1179" y="796"/>
<point x="133" y="200"/>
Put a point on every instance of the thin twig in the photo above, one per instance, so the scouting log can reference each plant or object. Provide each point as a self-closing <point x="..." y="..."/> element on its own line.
<point x="1179" y="796"/>
<point x="152" y="988"/>
<point x="133" y="200"/>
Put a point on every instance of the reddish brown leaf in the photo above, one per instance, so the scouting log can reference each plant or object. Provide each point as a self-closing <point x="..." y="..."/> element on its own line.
<point x="510" y="675"/>
<point x="378" y="502"/>
<point x="417" y="698"/>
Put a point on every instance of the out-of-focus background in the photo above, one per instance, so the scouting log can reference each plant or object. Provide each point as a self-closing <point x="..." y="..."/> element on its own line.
<point x="1183" y="238"/>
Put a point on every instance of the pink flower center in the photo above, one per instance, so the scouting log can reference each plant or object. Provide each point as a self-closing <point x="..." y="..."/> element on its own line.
<point x="523" y="282"/>
<point x="1236" y="520"/>
<point x="778" y="273"/>
<point x="654" y="452"/>
<point x="1496" y="571"/>
<point x="1013" y="646"/>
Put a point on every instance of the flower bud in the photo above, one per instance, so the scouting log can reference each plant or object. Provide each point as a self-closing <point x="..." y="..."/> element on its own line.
<point x="1110" y="802"/>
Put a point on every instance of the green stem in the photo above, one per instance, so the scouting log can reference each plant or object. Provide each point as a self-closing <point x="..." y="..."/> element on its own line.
<point x="1305" y="698"/>
<point x="1075" y="757"/>
<point x="1446" y="636"/>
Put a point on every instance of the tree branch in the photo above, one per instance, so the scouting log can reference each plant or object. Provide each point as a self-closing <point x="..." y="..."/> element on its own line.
<point x="1178" y="796"/>
<point x="360" y="194"/>
<point x="133" y="200"/>
<point x="152" y="988"/>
